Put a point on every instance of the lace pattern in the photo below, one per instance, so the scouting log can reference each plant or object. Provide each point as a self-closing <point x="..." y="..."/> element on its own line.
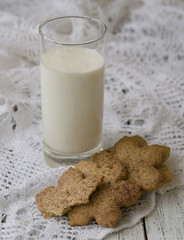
<point x="143" y="95"/>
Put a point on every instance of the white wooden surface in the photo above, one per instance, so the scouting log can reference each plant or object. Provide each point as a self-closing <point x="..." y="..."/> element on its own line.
<point x="166" y="222"/>
<point x="134" y="233"/>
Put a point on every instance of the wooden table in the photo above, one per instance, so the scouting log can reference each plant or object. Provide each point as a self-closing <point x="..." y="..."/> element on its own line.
<point x="166" y="222"/>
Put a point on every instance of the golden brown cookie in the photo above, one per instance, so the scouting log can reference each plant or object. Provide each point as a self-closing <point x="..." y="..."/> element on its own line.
<point x="141" y="161"/>
<point x="105" y="204"/>
<point x="115" y="177"/>
<point x="111" y="172"/>
<point x="133" y="150"/>
<point x="104" y="156"/>
<point x="167" y="175"/>
<point x="73" y="189"/>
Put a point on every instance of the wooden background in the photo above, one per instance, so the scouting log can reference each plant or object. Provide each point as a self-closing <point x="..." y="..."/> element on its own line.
<point x="166" y="222"/>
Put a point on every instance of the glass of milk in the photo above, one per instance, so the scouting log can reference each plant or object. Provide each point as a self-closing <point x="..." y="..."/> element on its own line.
<point x="72" y="86"/>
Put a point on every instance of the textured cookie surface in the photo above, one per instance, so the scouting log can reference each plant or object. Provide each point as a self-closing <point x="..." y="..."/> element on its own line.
<point x="141" y="161"/>
<point x="73" y="189"/>
<point x="111" y="172"/>
<point x="133" y="150"/>
<point x="114" y="178"/>
<point x="105" y="204"/>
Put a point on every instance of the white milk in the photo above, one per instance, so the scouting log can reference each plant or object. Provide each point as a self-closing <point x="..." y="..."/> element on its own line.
<point x="72" y="83"/>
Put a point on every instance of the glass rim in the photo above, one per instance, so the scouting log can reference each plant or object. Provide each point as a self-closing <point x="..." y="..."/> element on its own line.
<point x="72" y="43"/>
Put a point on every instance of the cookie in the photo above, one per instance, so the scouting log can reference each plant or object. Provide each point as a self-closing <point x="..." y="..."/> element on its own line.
<point x="141" y="161"/>
<point x="104" y="156"/>
<point x="114" y="178"/>
<point x="105" y="204"/>
<point x="133" y="150"/>
<point x="111" y="172"/>
<point x="166" y="174"/>
<point x="73" y="189"/>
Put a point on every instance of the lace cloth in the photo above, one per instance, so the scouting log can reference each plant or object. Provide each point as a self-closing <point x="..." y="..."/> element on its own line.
<point x="144" y="94"/>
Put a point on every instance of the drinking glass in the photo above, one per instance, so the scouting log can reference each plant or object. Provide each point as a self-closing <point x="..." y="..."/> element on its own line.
<point x="72" y="85"/>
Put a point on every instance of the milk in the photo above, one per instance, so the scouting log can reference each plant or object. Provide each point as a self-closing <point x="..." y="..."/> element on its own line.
<point x="72" y="87"/>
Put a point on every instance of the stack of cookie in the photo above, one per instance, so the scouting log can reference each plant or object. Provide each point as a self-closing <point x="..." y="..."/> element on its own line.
<point x="114" y="178"/>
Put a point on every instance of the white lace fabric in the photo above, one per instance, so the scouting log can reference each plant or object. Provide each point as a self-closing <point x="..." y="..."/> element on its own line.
<point x="144" y="94"/>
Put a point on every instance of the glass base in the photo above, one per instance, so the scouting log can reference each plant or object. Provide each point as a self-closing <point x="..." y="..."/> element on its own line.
<point x="72" y="158"/>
